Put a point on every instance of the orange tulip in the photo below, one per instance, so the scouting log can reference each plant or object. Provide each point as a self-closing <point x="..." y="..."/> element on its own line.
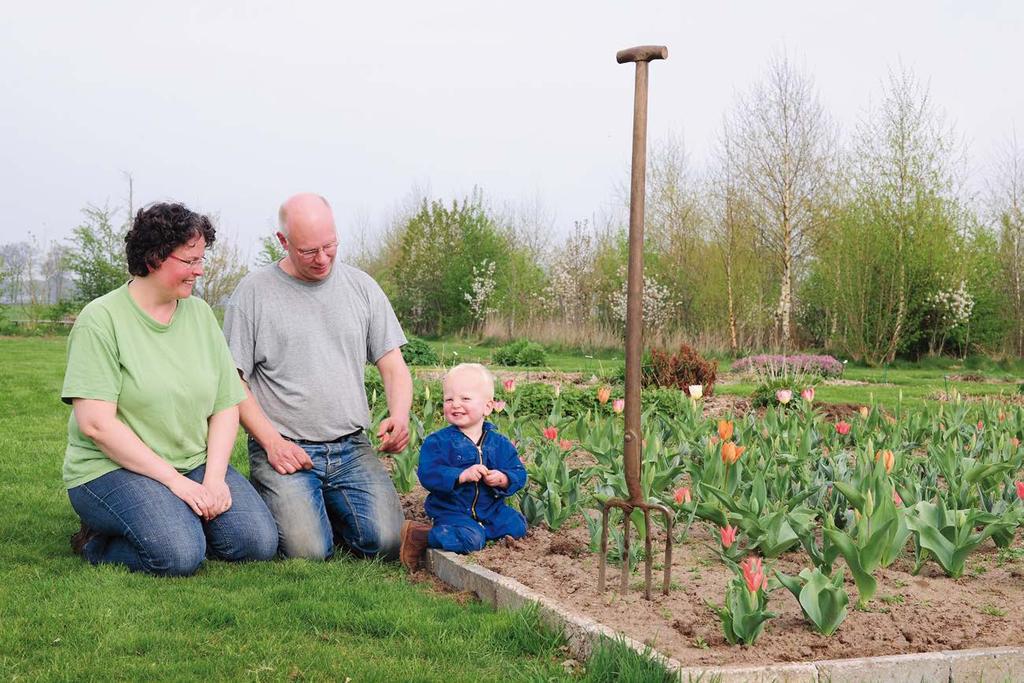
<point x="864" y="412"/>
<point x="725" y="429"/>
<point x="603" y="394"/>
<point x="886" y="457"/>
<point x="731" y="452"/>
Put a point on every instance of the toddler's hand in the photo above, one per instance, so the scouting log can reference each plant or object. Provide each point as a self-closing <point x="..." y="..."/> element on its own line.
<point x="496" y="479"/>
<point x="473" y="473"/>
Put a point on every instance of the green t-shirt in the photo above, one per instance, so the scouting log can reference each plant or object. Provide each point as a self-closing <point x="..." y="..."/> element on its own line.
<point x="167" y="380"/>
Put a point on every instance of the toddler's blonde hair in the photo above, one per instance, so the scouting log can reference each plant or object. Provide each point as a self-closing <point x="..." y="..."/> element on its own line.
<point x="486" y="376"/>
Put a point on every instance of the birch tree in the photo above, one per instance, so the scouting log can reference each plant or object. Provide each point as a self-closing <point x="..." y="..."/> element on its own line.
<point x="1006" y="207"/>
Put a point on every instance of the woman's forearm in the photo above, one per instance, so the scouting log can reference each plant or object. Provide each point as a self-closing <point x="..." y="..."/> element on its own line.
<point x="220" y="439"/>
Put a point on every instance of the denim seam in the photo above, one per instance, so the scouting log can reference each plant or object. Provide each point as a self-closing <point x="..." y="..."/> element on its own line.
<point x="131" y="533"/>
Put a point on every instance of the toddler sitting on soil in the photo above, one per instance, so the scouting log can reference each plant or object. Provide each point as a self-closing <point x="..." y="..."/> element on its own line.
<point x="469" y="470"/>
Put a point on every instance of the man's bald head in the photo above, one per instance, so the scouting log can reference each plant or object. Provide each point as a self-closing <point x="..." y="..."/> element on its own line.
<point x="303" y="206"/>
<point x="308" y="235"/>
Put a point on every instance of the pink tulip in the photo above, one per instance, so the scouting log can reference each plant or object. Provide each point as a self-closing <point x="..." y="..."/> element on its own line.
<point x="1014" y="442"/>
<point x="618" y="405"/>
<point x="728" y="534"/>
<point x="807" y="394"/>
<point x="843" y="427"/>
<point x="682" y="495"/>
<point x="897" y="501"/>
<point x="551" y="433"/>
<point x="753" y="574"/>
<point x="510" y="385"/>
<point x="565" y="445"/>
<point x="499" y="406"/>
<point x="1020" y="490"/>
<point x="784" y="396"/>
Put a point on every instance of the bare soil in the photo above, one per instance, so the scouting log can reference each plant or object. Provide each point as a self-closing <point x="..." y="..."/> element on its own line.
<point x="984" y="608"/>
<point x="926" y="612"/>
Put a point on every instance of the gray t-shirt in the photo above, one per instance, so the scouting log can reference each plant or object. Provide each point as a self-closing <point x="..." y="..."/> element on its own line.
<point x="303" y="347"/>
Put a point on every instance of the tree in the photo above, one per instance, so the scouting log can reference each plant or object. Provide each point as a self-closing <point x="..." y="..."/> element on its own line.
<point x="96" y="255"/>
<point x="223" y="270"/>
<point x="17" y="271"/>
<point x="785" y="144"/>
<point x="1006" y="211"/>
<point x="270" y="251"/>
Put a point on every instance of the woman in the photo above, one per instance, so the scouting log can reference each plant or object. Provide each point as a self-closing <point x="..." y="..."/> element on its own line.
<point x="155" y="402"/>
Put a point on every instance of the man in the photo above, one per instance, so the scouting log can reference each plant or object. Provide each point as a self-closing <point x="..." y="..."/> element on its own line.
<point x="301" y="332"/>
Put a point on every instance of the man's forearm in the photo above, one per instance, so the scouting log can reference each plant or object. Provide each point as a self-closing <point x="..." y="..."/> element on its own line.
<point x="397" y="380"/>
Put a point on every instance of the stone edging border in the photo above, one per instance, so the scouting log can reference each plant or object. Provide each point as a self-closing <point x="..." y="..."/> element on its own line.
<point x="582" y="634"/>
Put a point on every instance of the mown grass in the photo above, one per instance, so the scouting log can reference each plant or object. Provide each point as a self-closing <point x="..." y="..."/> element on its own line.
<point x="61" y="619"/>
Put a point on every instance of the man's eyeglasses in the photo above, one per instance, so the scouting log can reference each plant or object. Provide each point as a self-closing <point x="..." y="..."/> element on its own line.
<point x="192" y="262"/>
<point x="310" y="254"/>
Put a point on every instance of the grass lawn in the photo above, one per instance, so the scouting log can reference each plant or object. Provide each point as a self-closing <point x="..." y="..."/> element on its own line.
<point x="61" y="619"/>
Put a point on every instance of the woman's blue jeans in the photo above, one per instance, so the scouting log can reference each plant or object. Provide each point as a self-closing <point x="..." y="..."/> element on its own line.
<point x="145" y="527"/>
<point x="347" y="498"/>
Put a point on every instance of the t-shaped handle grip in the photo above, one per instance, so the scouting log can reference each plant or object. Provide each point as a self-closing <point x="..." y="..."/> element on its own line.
<point x="641" y="53"/>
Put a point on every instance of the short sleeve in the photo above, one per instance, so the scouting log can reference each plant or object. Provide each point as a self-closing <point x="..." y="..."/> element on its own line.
<point x="384" y="332"/>
<point x="94" y="367"/>
<point x="239" y="333"/>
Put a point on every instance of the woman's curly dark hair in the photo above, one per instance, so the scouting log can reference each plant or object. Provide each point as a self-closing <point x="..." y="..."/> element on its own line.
<point x="158" y="230"/>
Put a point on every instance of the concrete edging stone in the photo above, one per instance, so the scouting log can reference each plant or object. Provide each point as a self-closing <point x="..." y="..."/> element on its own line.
<point x="582" y="634"/>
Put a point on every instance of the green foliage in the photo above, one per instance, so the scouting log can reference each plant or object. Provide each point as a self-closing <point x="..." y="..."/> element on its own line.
<point x="521" y="352"/>
<point x="949" y="535"/>
<point x="431" y="278"/>
<point x="418" y="352"/>
<point x="96" y="255"/>
<point x="270" y="251"/>
<point x="744" y="613"/>
<point x="822" y="599"/>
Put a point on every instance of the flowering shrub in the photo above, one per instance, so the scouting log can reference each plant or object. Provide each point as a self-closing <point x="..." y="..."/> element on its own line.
<point x="681" y="370"/>
<point x="778" y="366"/>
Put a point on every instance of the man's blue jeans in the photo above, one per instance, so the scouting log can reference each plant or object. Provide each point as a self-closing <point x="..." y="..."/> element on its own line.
<point x="347" y="497"/>
<point x="147" y="528"/>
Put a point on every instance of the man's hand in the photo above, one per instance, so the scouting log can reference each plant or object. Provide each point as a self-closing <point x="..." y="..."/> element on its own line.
<point x="287" y="457"/>
<point x="496" y="479"/>
<point x="393" y="434"/>
<point x="220" y="497"/>
<point x="473" y="473"/>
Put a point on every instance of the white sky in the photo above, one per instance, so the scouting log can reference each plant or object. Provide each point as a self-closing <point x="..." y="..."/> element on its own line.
<point x="232" y="106"/>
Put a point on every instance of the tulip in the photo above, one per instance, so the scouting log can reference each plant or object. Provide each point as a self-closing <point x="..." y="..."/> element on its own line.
<point x="981" y="425"/>
<point x="510" y="385"/>
<point x="843" y="427"/>
<point x="1020" y="490"/>
<point x="807" y="394"/>
<point x="1014" y="442"/>
<point x="728" y="534"/>
<point x="696" y="391"/>
<point x="886" y="457"/>
<point x="1002" y="416"/>
<point x="603" y="394"/>
<point x="784" y="396"/>
<point x="618" y="405"/>
<point x="682" y="495"/>
<point x="753" y="574"/>
<point x="551" y="433"/>
<point x="713" y="441"/>
<point x="896" y="500"/>
<point x="565" y="445"/>
<point x="724" y="430"/>
<point x="731" y="452"/>
<point x="499" y="406"/>
<point x="864" y="412"/>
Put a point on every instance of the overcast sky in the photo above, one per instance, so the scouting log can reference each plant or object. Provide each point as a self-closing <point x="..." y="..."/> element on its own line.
<point x="232" y="106"/>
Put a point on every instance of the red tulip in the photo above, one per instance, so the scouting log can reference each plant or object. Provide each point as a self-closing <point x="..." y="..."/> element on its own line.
<point x="551" y="433"/>
<point x="1020" y="490"/>
<point x="728" y="534"/>
<point x="510" y="385"/>
<point x="682" y="495"/>
<point x="753" y="574"/>
<point x="843" y="427"/>
<point x="981" y="425"/>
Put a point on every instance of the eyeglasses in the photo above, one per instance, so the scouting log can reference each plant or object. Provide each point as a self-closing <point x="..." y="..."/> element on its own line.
<point x="310" y="254"/>
<point x="192" y="262"/>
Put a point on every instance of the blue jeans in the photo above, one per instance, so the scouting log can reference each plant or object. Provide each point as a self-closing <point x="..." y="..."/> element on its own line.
<point x="347" y="497"/>
<point x="145" y="527"/>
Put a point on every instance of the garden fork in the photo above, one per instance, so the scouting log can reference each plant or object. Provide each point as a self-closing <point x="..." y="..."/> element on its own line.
<point x="634" y="342"/>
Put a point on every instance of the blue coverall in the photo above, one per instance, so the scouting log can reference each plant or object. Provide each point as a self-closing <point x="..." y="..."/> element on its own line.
<point x="468" y="515"/>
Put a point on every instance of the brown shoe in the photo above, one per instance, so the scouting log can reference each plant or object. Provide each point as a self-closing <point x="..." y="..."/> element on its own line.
<point x="414" y="544"/>
<point x="81" y="537"/>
